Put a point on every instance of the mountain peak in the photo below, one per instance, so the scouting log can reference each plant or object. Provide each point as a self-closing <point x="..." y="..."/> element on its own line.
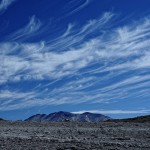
<point x="61" y="116"/>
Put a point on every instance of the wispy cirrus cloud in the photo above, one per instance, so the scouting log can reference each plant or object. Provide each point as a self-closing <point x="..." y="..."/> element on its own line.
<point x="36" y="57"/>
<point x="27" y="31"/>
<point x="74" y="6"/>
<point x="93" y="58"/>
<point x="5" y="4"/>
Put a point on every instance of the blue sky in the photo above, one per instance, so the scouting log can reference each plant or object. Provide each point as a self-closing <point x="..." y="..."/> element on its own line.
<point x="76" y="56"/>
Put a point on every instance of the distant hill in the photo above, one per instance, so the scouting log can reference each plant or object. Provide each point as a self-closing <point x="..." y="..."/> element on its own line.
<point x="67" y="116"/>
<point x="2" y="119"/>
<point x="139" y="119"/>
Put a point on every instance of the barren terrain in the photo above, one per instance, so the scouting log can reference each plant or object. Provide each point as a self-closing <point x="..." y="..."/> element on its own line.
<point x="74" y="136"/>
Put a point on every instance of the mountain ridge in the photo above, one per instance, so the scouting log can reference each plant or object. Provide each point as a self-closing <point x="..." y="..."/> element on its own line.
<point x="68" y="116"/>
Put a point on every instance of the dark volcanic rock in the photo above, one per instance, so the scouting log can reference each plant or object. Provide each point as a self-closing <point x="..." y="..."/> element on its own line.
<point x="67" y="116"/>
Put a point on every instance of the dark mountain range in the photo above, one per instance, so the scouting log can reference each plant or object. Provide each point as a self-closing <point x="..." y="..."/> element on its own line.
<point x="67" y="116"/>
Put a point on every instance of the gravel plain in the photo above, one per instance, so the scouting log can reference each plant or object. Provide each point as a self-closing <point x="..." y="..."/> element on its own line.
<point x="74" y="136"/>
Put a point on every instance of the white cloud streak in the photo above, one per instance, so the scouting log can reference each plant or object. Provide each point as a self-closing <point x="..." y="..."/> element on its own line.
<point x="27" y="31"/>
<point x="112" y="112"/>
<point x="78" y="55"/>
<point x="43" y="62"/>
<point x="5" y="4"/>
<point x="74" y="6"/>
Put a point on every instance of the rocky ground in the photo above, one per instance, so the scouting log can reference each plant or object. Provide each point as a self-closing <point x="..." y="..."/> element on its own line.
<point x="74" y="136"/>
